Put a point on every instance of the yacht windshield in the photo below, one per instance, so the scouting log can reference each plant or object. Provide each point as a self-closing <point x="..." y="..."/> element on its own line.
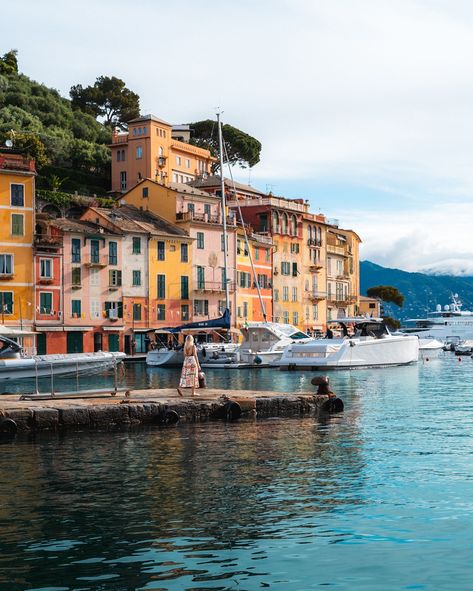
<point x="297" y="336"/>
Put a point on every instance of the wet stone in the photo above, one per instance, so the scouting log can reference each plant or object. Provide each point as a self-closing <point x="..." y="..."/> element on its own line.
<point x="23" y="417"/>
<point x="46" y="419"/>
<point x="74" y="416"/>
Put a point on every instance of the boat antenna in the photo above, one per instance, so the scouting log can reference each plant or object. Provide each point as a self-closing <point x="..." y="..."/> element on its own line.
<point x="250" y="254"/>
<point x="224" y="214"/>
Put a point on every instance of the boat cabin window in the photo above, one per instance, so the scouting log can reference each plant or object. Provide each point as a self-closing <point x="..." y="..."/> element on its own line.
<point x="297" y="336"/>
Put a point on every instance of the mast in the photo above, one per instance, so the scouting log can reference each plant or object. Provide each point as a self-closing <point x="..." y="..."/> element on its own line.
<point x="224" y="214"/>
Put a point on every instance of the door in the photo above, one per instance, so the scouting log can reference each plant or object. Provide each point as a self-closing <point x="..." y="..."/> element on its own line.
<point x="97" y="342"/>
<point x="75" y="342"/>
<point x="41" y="343"/>
<point x="140" y="343"/>
<point x="127" y="344"/>
<point x="113" y="344"/>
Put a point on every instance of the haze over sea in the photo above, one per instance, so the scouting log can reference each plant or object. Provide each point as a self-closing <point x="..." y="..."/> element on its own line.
<point x="378" y="497"/>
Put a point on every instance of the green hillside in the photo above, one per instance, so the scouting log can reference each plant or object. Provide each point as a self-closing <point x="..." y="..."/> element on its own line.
<point x="68" y="144"/>
<point x="422" y="292"/>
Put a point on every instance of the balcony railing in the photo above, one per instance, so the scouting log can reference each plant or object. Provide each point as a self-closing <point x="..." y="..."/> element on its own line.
<point x="46" y="280"/>
<point x="92" y="260"/>
<point x="43" y="240"/>
<point x="315" y="268"/>
<point x="340" y="250"/>
<point x="16" y="162"/>
<point x="313" y="242"/>
<point x="120" y="138"/>
<point x="341" y="300"/>
<point x="316" y="295"/>
<point x="213" y="286"/>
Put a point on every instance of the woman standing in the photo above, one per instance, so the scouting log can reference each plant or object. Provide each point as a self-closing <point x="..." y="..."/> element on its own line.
<point x="191" y="367"/>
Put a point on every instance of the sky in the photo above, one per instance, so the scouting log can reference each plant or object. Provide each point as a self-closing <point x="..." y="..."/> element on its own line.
<point x="363" y="107"/>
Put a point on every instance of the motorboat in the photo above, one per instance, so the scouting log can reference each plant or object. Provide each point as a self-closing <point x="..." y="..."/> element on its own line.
<point x="430" y="347"/>
<point x="16" y="364"/>
<point x="445" y="324"/>
<point x="173" y="355"/>
<point x="464" y="347"/>
<point x="263" y="344"/>
<point x="363" y="342"/>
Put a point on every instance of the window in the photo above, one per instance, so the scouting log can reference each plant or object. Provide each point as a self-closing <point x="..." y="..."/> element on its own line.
<point x="276" y="295"/>
<point x="207" y="210"/>
<point x="161" y="250"/>
<point x="200" y="240"/>
<point x="136" y="245"/>
<point x="185" y="312"/>
<point x="144" y="192"/>
<point x="293" y="225"/>
<point x="294" y="294"/>
<point x="119" y="154"/>
<point x="17" y="195"/>
<point x="188" y="163"/>
<point x="295" y="318"/>
<point x="178" y="160"/>
<point x="17" y="224"/>
<point x="136" y="278"/>
<point x="294" y="247"/>
<point x="339" y="267"/>
<point x="112" y="253"/>
<point x="6" y="264"/>
<point x="161" y="286"/>
<point x="268" y="255"/>
<point x="75" y="250"/>
<point x="191" y="208"/>
<point x="136" y="311"/>
<point x="46" y="268"/>
<point x="275" y="222"/>
<point x="239" y="311"/>
<point x="114" y="309"/>
<point x="123" y="179"/>
<point x="294" y="269"/>
<point x="114" y="278"/>
<point x="145" y="129"/>
<point x="263" y="281"/>
<point x="285" y="316"/>
<point x="184" y="287"/>
<point x="139" y="153"/>
<point x="256" y="251"/>
<point x="285" y="293"/>
<point x="134" y="131"/>
<point x="94" y="277"/>
<point x="285" y="268"/>
<point x="200" y="278"/>
<point x="221" y="306"/>
<point x="161" y="312"/>
<point x="224" y="278"/>
<point x="184" y="253"/>
<point x="245" y="309"/>
<point x="94" y="251"/>
<point x="6" y="302"/>
<point x="76" y="308"/>
<point x="201" y="307"/>
<point x="45" y="302"/>
<point x="76" y="276"/>
<point x="284" y="223"/>
<point x="315" y="312"/>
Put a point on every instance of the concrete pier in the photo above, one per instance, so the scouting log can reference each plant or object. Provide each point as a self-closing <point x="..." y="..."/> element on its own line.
<point x="155" y="407"/>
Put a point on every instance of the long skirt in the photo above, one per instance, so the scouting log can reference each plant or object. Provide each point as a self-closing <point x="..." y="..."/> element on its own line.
<point x="189" y="374"/>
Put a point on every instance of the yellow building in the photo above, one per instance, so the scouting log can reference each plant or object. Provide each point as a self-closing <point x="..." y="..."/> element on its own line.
<point x="17" y="187"/>
<point x="154" y="149"/>
<point x="369" y="307"/>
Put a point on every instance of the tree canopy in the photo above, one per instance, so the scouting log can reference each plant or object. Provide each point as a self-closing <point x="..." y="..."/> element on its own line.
<point x="387" y="293"/>
<point x="241" y="148"/>
<point x="9" y="62"/>
<point x="108" y="98"/>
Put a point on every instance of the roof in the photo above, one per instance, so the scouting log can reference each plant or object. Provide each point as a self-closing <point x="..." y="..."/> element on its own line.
<point x="149" y="117"/>
<point x="131" y="219"/>
<point x="215" y="181"/>
<point x="186" y="188"/>
<point x="81" y="226"/>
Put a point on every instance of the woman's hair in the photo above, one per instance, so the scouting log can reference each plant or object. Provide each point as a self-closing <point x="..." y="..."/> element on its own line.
<point x="189" y="345"/>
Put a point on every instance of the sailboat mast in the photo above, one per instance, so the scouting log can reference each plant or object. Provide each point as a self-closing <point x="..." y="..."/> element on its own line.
<point x="224" y="215"/>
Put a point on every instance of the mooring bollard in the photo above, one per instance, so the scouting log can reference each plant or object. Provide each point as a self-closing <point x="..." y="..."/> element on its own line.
<point x="333" y="404"/>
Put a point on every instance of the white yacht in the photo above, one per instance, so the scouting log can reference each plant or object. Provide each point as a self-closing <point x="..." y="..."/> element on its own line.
<point x="15" y="364"/>
<point x="445" y="324"/>
<point x="263" y="344"/>
<point x="370" y="345"/>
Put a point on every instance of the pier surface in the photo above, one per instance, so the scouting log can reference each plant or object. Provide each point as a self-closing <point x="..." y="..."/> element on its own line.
<point x="152" y="406"/>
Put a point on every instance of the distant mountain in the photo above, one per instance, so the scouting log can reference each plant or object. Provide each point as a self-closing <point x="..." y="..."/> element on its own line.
<point x="422" y="292"/>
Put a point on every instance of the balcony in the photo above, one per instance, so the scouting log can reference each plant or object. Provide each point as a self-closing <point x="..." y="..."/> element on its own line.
<point x="316" y="296"/>
<point x="340" y="250"/>
<point x="93" y="260"/>
<point x="6" y="276"/>
<point x="45" y="241"/>
<point x="119" y="138"/>
<point x="76" y="285"/>
<point x="341" y="300"/>
<point x="314" y="243"/>
<point x="213" y="287"/>
<point x="315" y="268"/>
<point x="46" y="280"/>
<point x="17" y="162"/>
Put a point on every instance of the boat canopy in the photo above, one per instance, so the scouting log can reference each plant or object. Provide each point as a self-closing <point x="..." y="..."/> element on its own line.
<point x="223" y="323"/>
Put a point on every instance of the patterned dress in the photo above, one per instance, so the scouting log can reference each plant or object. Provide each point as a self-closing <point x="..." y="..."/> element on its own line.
<point x="190" y="372"/>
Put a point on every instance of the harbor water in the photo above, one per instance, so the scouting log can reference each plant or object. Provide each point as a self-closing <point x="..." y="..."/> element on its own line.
<point x="378" y="497"/>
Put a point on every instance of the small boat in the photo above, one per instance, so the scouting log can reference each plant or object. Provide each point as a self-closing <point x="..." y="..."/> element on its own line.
<point x="370" y="344"/>
<point x="15" y="365"/>
<point x="430" y="347"/>
<point x="464" y="347"/>
<point x="263" y="344"/>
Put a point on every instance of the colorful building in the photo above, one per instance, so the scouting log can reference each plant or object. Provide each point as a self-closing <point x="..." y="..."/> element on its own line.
<point x="369" y="307"/>
<point x="314" y="231"/>
<point x="17" y="274"/>
<point x="153" y="149"/>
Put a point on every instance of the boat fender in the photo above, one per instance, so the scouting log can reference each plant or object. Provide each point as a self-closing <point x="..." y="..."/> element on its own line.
<point x="170" y="417"/>
<point x="8" y="427"/>
<point x="232" y="410"/>
<point x="258" y="360"/>
<point x="332" y="405"/>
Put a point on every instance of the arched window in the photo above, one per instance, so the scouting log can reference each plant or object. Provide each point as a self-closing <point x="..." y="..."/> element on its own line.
<point x="275" y="222"/>
<point x="284" y="223"/>
<point x="319" y="236"/>
<point x="310" y="232"/>
<point x="293" y="225"/>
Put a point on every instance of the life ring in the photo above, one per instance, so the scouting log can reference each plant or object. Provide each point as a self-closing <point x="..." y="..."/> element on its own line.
<point x="232" y="410"/>
<point x="8" y="427"/>
<point x="170" y="417"/>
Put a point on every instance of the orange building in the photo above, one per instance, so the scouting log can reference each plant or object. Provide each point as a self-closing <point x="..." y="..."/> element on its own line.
<point x="154" y="149"/>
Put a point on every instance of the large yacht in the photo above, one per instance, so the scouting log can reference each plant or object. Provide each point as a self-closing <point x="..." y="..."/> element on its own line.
<point x="362" y="342"/>
<point x="447" y="323"/>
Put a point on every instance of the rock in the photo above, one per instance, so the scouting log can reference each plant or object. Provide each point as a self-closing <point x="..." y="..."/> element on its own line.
<point x="45" y="419"/>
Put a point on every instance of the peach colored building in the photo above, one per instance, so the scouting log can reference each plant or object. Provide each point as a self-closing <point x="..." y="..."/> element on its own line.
<point x="152" y="150"/>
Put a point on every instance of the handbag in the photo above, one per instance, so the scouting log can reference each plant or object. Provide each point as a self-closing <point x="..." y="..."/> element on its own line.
<point x="202" y="380"/>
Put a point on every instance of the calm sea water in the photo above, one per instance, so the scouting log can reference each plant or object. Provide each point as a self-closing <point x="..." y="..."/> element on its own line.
<point x="379" y="497"/>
